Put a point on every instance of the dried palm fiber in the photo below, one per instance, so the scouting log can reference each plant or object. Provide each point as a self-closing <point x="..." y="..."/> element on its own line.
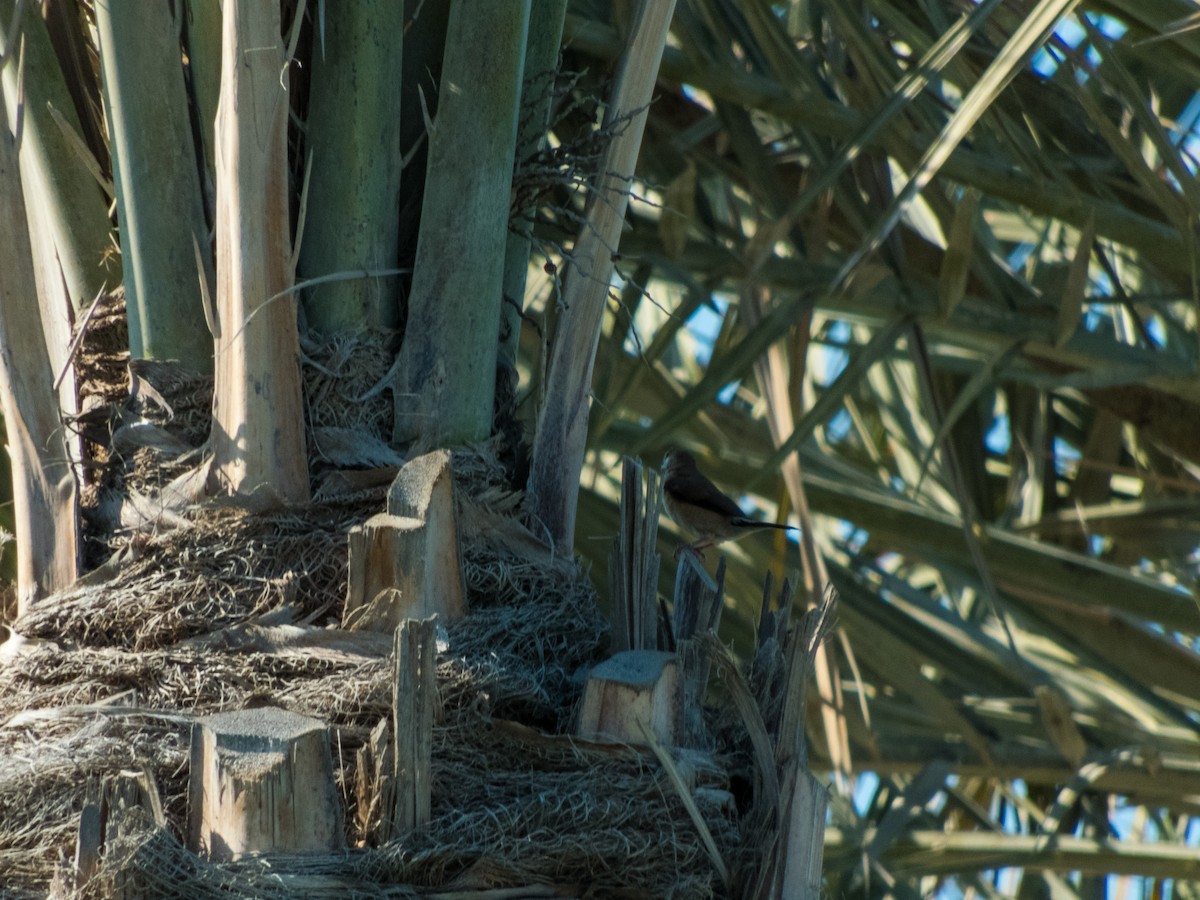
<point x="112" y="675"/>
<point x="578" y="818"/>
<point x="143" y="417"/>
<point x="338" y="372"/>
<point x="224" y="566"/>
<point x="526" y="810"/>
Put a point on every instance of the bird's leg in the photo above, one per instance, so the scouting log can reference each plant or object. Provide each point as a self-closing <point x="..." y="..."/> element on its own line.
<point x="696" y="548"/>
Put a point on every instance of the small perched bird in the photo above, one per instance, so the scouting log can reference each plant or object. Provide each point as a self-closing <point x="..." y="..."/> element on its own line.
<point x="698" y="506"/>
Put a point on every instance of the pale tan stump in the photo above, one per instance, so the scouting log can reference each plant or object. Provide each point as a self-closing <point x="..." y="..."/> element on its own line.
<point x="414" y="699"/>
<point x="262" y="781"/>
<point x="405" y="563"/>
<point x="630" y="691"/>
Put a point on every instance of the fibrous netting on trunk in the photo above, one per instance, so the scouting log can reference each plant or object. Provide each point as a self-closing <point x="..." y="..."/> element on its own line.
<point x="507" y="810"/>
<point x="216" y="608"/>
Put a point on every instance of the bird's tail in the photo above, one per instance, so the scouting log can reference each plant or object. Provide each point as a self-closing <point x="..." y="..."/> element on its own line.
<point x="743" y="522"/>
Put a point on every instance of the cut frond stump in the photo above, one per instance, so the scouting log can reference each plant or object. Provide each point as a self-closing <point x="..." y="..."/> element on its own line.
<point x="698" y="602"/>
<point x="794" y="809"/>
<point x="806" y="802"/>
<point x="126" y="796"/>
<point x="633" y="563"/>
<point x="406" y="562"/>
<point x="414" y="697"/>
<point x="629" y="692"/>
<point x="114" y="810"/>
<point x="88" y="840"/>
<point x="376" y="785"/>
<point x="262" y="781"/>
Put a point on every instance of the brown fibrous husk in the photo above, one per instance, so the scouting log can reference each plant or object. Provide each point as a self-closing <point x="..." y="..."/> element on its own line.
<point x="112" y="675"/>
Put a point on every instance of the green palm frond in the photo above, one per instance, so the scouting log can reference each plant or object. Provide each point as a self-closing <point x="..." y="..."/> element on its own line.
<point x="991" y="267"/>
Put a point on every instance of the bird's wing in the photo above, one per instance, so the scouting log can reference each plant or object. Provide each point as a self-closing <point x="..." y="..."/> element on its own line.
<point x="701" y="492"/>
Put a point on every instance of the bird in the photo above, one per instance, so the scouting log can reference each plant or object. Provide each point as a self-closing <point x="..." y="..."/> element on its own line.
<point x="698" y="506"/>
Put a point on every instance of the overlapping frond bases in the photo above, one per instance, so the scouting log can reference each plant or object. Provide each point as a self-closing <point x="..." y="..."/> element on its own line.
<point x="972" y="229"/>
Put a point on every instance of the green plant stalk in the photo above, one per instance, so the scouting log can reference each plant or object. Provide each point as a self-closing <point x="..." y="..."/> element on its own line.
<point x="424" y="47"/>
<point x="1100" y="361"/>
<point x="922" y="853"/>
<point x="537" y="91"/>
<point x="1157" y="240"/>
<point x="353" y="140"/>
<point x="44" y="490"/>
<point x="1029" y="36"/>
<point x="563" y="419"/>
<point x="159" y="202"/>
<point x="203" y="36"/>
<point x="62" y="198"/>
<point x="447" y="364"/>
